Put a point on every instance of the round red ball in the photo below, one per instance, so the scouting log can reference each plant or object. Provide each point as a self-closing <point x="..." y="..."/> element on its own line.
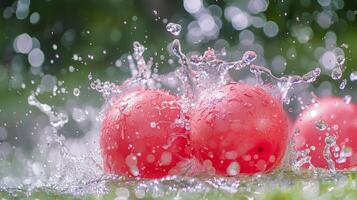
<point x="238" y="128"/>
<point x="142" y="135"/>
<point x="328" y="118"/>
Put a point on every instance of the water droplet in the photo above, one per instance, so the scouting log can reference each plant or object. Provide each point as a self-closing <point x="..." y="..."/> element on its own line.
<point x="340" y="60"/>
<point x="71" y="68"/>
<point x="353" y="76"/>
<point x="321" y="125"/>
<point x="166" y="158"/>
<point x="330" y="140"/>
<point x="153" y="124"/>
<point x="343" y="84"/>
<point x="347" y="99"/>
<point x="34" y="18"/>
<point x="249" y="57"/>
<point x="23" y="43"/>
<point x="344" y="45"/>
<point x="134" y="171"/>
<point x="36" y="57"/>
<point x="272" y="158"/>
<point x="176" y="48"/>
<point x="311" y="75"/>
<point x="54" y="47"/>
<point x="344" y="154"/>
<point x="76" y="92"/>
<point x="173" y="28"/>
<point x="336" y="73"/>
<point x="131" y="160"/>
<point x="139" y="49"/>
<point x="233" y="169"/>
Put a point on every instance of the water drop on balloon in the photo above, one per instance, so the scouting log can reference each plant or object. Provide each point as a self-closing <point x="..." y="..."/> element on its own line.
<point x="321" y="125"/>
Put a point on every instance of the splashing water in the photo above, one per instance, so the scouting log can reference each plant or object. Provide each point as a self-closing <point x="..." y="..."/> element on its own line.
<point x="336" y="72"/>
<point x="344" y="154"/>
<point x="57" y="120"/>
<point x="212" y="72"/>
<point x="64" y="171"/>
<point x="298" y="158"/>
<point x="204" y="72"/>
<point x="330" y="142"/>
<point x="83" y="175"/>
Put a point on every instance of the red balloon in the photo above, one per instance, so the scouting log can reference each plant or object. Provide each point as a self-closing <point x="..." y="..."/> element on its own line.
<point x="239" y="128"/>
<point x="330" y="117"/>
<point x="141" y="135"/>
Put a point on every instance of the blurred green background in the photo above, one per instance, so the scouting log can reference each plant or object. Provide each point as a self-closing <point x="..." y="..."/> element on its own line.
<point x="290" y="37"/>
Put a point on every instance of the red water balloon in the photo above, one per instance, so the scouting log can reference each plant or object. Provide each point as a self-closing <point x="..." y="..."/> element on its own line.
<point x="239" y="128"/>
<point x="328" y="118"/>
<point x="142" y="135"/>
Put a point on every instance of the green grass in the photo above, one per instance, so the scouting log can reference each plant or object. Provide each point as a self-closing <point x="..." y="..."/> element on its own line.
<point x="280" y="185"/>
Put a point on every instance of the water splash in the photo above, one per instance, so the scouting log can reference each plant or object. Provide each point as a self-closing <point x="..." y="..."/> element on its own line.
<point x="330" y="142"/>
<point x="57" y="120"/>
<point x="337" y="72"/>
<point x="185" y="72"/>
<point x="141" y="71"/>
<point x="61" y="170"/>
<point x="298" y="158"/>
<point x="210" y="72"/>
<point x="106" y="88"/>
<point x="344" y="154"/>
<point x="196" y="74"/>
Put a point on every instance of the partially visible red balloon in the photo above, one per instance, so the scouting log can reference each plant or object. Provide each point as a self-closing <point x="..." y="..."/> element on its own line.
<point x="142" y="135"/>
<point x="323" y="121"/>
<point x="238" y="128"/>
